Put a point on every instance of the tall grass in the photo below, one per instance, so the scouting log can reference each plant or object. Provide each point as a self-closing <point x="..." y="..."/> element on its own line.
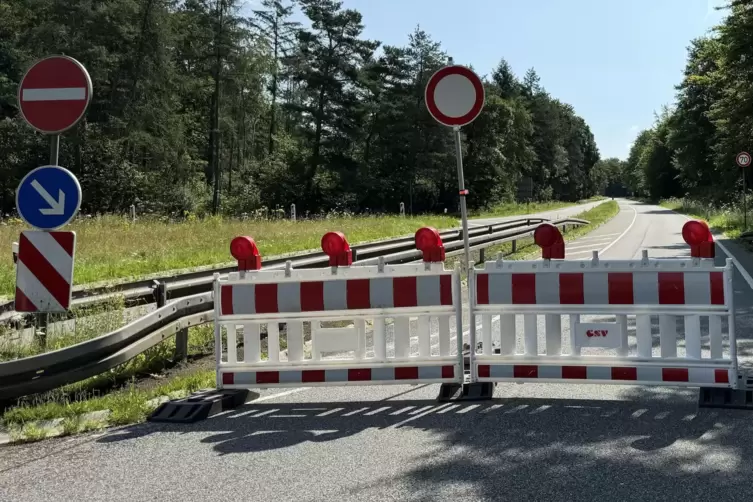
<point x="728" y="218"/>
<point x="113" y="247"/>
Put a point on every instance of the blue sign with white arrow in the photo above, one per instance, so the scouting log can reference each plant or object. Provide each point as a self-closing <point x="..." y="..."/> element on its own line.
<point x="48" y="197"/>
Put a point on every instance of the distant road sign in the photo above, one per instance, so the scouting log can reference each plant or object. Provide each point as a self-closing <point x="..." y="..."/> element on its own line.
<point x="54" y="94"/>
<point x="743" y="159"/>
<point x="44" y="271"/>
<point x="48" y="197"/>
<point x="454" y="96"/>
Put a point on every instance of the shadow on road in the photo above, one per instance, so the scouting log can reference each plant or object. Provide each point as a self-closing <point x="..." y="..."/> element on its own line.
<point x="654" y="446"/>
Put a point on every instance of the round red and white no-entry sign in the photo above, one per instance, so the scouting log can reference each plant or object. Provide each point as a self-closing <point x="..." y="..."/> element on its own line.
<point x="454" y="96"/>
<point x="743" y="159"/>
<point x="54" y="94"/>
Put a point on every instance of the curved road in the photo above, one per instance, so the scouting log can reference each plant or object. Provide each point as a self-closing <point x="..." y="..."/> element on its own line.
<point x="532" y="442"/>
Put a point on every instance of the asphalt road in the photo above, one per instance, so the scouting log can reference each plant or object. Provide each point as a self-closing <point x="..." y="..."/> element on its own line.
<point x="554" y="214"/>
<point x="531" y="442"/>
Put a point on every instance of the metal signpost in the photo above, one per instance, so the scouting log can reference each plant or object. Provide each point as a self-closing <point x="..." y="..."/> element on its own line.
<point x="454" y="96"/>
<point x="743" y="160"/>
<point x="53" y="97"/>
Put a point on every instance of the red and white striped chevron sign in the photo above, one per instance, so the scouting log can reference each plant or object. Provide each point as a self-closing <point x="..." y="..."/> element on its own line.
<point x="44" y="271"/>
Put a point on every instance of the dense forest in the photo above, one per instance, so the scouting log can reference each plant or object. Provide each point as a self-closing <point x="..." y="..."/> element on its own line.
<point x="208" y="106"/>
<point x="691" y="148"/>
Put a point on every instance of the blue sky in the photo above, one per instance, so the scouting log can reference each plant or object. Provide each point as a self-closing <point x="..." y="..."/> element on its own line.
<point x="615" y="61"/>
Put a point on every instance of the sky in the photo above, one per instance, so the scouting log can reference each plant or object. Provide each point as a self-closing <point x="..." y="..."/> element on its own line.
<point x="616" y="61"/>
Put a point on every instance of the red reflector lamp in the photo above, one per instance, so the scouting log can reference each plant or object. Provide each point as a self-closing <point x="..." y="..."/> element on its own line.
<point x="698" y="236"/>
<point x="549" y="239"/>
<point x="245" y="251"/>
<point x="429" y="242"/>
<point x="335" y="245"/>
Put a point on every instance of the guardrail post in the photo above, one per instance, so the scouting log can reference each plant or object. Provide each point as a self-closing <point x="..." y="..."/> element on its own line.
<point x="181" y="337"/>
<point x="482" y="255"/>
<point x="514" y="246"/>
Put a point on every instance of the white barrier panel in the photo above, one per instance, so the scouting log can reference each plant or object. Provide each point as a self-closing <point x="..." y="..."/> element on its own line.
<point x="598" y="322"/>
<point x="364" y="311"/>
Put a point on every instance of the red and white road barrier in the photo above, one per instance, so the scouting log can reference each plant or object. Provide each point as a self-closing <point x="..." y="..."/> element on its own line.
<point x="601" y="349"/>
<point x="588" y="309"/>
<point x="253" y="299"/>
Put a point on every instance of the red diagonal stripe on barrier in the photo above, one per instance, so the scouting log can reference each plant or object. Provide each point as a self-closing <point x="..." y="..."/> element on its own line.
<point x="44" y="272"/>
<point x="22" y="303"/>
<point x="65" y="239"/>
<point x="717" y="288"/>
<point x="671" y="288"/>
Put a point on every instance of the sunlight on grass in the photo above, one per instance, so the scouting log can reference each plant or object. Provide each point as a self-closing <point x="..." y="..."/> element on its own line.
<point x="727" y="218"/>
<point x="112" y="247"/>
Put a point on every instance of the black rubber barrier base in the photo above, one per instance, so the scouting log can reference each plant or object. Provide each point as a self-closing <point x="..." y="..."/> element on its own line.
<point x="199" y="406"/>
<point x="477" y="391"/>
<point x="710" y="397"/>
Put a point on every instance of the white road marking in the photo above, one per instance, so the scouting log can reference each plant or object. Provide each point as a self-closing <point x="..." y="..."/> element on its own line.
<point x="590" y="251"/>
<point x="281" y="394"/>
<point x="597" y="237"/>
<point x="587" y="245"/>
<point x="635" y="216"/>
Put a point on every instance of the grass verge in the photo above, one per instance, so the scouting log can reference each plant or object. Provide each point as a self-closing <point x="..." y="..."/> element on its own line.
<point x="727" y="218"/>
<point x="113" y="248"/>
<point x="514" y="208"/>
<point x="146" y="378"/>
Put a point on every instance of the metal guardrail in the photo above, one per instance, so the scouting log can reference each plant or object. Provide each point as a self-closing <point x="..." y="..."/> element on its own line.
<point x="54" y="369"/>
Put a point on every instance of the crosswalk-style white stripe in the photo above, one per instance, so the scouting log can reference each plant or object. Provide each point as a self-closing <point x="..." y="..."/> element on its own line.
<point x="34" y="290"/>
<point x="60" y="94"/>
<point x="53" y="252"/>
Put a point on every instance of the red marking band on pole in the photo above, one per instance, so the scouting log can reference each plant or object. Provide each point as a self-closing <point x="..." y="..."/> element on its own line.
<point x="464" y="192"/>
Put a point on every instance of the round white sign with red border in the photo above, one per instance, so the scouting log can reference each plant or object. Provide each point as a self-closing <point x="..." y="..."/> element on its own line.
<point x="743" y="159"/>
<point x="54" y="94"/>
<point x="454" y="96"/>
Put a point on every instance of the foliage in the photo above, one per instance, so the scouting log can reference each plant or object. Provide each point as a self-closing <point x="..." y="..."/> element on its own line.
<point x="691" y="149"/>
<point x="208" y="106"/>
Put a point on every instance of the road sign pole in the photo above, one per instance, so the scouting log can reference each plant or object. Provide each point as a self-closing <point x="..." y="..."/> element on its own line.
<point x="54" y="149"/>
<point x="745" y="205"/>
<point x="466" y="243"/>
